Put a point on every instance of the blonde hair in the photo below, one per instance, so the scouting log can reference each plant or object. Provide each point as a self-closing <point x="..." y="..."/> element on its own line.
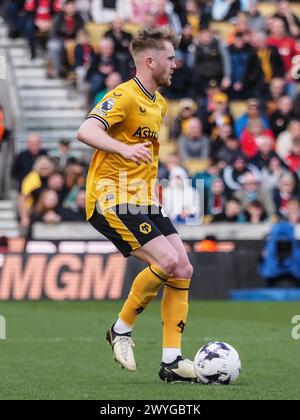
<point x="154" y="38"/>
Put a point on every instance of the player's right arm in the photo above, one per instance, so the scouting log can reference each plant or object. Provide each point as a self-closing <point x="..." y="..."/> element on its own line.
<point x="92" y="132"/>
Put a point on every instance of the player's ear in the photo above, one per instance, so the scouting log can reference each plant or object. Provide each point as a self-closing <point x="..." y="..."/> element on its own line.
<point x="150" y="62"/>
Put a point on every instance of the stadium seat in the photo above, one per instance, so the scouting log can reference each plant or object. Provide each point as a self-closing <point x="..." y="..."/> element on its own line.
<point x="164" y="134"/>
<point x="173" y="110"/>
<point x="268" y="9"/>
<point x="196" y="165"/>
<point x="223" y="29"/>
<point x="166" y="149"/>
<point x="238" y="108"/>
<point x="96" y="31"/>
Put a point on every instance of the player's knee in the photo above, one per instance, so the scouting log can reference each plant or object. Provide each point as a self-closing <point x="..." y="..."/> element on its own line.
<point x="184" y="271"/>
<point x="169" y="262"/>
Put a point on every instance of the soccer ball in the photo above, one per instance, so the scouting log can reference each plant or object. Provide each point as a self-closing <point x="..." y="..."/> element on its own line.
<point x="217" y="363"/>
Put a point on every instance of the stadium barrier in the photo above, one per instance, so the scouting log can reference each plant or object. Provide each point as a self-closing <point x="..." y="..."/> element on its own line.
<point x="96" y="271"/>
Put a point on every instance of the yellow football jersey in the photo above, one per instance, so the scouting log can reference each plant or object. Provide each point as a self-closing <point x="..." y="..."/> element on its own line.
<point x="131" y="115"/>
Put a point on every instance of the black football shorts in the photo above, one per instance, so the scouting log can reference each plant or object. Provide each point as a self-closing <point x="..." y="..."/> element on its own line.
<point x="131" y="228"/>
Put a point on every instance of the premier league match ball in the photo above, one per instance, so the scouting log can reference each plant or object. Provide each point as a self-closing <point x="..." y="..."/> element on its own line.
<point x="217" y="363"/>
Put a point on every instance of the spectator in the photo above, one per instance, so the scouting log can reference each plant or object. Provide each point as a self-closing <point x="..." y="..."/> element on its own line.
<point x="249" y="137"/>
<point x="54" y="182"/>
<point x="286" y="48"/>
<point x="164" y="170"/>
<point x="286" y="138"/>
<point x="217" y="198"/>
<point x="140" y="9"/>
<point x="210" y="63"/>
<point x="103" y="64"/>
<point x="122" y="40"/>
<point x="105" y="11"/>
<point x="217" y="143"/>
<point x="252" y="190"/>
<point x="207" y="177"/>
<point x="231" y="214"/>
<point x="25" y="160"/>
<point x="256" y="21"/>
<point x="280" y="119"/>
<point x="193" y="17"/>
<point x="84" y="7"/>
<point x="239" y="53"/>
<point x="218" y="116"/>
<point x="241" y="26"/>
<point x="38" y="17"/>
<point x="180" y="200"/>
<point x="13" y="13"/>
<point x="165" y="15"/>
<point x="187" y="39"/>
<point x="84" y="54"/>
<point x="228" y="151"/>
<point x="61" y="46"/>
<point x="293" y="159"/>
<point x="253" y="113"/>
<point x="63" y="155"/>
<point x="255" y="212"/>
<point x="233" y="172"/>
<point x="291" y="21"/>
<point x="293" y="212"/>
<point x="42" y="169"/>
<point x="78" y="208"/>
<point x="182" y="80"/>
<point x="264" y="64"/>
<point x="194" y="144"/>
<point x="265" y="152"/>
<point x="5" y="154"/>
<point x="48" y="209"/>
<point x="225" y="9"/>
<point x="4" y="132"/>
<point x="187" y="110"/>
<point x="275" y="91"/>
<point x="75" y="180"/>
<point x="111" y="82"/>
<point x="286" y="190"/>
<point x="273" y="172"/>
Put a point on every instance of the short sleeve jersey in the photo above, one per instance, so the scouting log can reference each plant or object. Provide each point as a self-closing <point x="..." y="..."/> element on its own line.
<point x="130" y="115"/>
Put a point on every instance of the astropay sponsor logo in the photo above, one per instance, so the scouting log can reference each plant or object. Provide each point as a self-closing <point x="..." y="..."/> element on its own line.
<point x="2" y="328"/>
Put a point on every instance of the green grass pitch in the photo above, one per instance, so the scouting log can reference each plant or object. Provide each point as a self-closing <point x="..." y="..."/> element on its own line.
<point x="57" y="351"/>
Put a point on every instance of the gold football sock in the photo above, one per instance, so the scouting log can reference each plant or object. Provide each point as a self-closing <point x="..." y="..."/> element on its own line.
<point x="174" y="311"/>
<point x="143" y="290"/>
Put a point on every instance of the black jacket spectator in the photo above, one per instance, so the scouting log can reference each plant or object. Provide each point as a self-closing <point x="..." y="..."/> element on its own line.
<point x="254" y="75"/>
<point x="64" y="28"/>
<point x="23" y="164"/>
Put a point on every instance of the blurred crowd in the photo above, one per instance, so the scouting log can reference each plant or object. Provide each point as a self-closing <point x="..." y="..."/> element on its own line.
<point x="251" y="163"/>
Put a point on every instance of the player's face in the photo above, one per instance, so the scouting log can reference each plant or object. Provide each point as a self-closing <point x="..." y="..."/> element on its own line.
<point x="164" y="65"/>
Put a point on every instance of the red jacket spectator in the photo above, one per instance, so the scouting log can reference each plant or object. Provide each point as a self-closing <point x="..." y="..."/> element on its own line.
<point x="42" y="9"/>
<point x="293" y="159"/>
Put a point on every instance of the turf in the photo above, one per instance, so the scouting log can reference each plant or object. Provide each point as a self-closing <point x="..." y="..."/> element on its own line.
<point x="57" y="351"/>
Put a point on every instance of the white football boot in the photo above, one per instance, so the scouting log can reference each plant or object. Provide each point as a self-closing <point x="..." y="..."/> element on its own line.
<point x="122" y="348"/>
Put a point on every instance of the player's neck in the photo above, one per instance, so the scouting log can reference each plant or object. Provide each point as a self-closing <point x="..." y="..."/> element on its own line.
<point x="148" y="83"/>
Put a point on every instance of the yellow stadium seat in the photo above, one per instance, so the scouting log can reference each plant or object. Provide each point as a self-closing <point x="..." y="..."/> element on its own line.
<point x="223" y="29"/>
<point x="268" y="9"/>
<point x="96" y="31"/>
<point x="164" y="134"/>
<point x="173" y="110"/>
<point x="196" y="165"/>
<point x="166" y="149"/>
<point x="238" y="108"/>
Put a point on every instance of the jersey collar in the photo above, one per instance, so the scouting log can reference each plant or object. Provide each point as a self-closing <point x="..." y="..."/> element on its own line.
<point x="142" y="87"/>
